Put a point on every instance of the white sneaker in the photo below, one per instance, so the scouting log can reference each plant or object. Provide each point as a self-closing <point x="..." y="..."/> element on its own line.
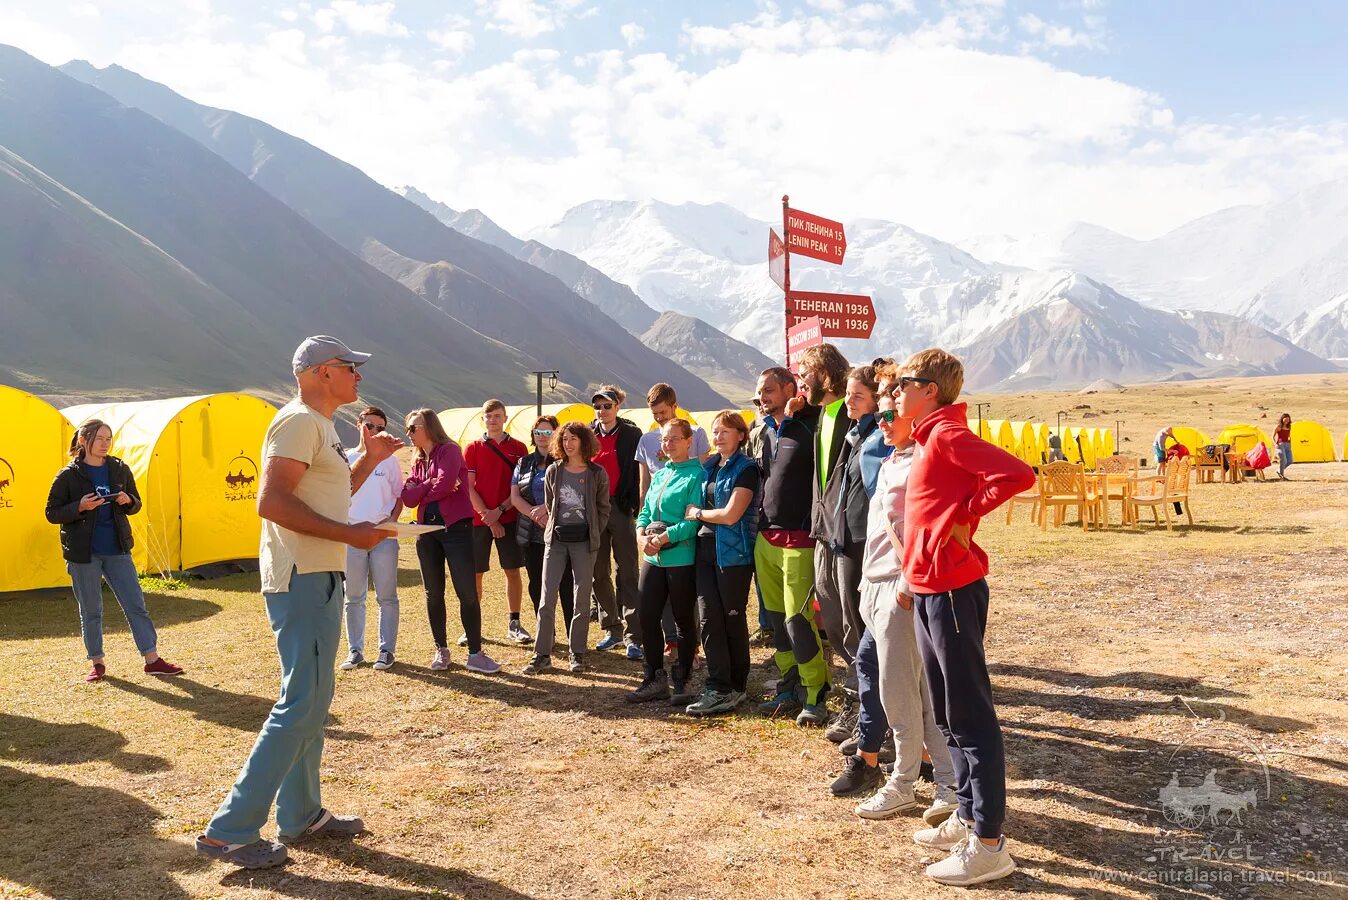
<point x="895" y="796"/>
<point x="481" y="663"/>
<point x="942" y="807"/>
<point x="973" y="862"/>
<point x="462" y="641"/>
<point x="384" y="662"/>
<point x="440" y="661"/>
<point x="353" y="660"/>
<point x="944" y="836"/>
<point x="515" y="632"/>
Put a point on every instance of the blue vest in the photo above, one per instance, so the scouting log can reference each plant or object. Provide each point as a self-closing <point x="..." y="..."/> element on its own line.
<point x="734" y="543"/>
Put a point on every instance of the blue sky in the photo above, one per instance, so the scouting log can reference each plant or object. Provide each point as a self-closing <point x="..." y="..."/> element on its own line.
<point x="957" y="117"/>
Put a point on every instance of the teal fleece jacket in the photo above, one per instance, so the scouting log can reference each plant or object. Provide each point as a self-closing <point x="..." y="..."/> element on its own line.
<point x="672" y="489"/>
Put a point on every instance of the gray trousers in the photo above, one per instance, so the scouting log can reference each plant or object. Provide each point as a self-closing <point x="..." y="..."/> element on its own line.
<point x="558" y="557"/>
<point x="617" y="550"/>
<point x="826" y="591"/>
<point x="903" y="687"/>
<point x="848" y="573"/>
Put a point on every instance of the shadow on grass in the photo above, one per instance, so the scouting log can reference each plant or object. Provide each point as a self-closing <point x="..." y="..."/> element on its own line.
<point x="37" y="615"/>
<point x="244" y="712"/>
<point x="67" y="839"/>
<point x="1124" y="709"/>
<point x="1122" y="778"/>
<point x="61" y="744"/>
<point x="422" y="879"/>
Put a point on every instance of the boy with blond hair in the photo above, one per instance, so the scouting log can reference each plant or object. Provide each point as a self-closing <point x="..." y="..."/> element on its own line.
<point x="955" y="480"/>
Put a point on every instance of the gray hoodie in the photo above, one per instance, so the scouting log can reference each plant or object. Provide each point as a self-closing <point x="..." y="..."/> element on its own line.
<point x="883" y="561"/>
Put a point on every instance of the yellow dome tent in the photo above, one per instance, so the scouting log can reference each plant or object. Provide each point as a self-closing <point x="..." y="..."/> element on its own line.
<point x="462" y="420"/>
<point x="33" y="448"/>
<point x="1026" y="443"/>
<point x="981" y="427"/>
<point x="1001" y="434"/>
<point x="1344" y="457"/>
<point x="196" y="463"/>
<point x="521" y="423"/>
<point x="1041" y="435"/>
<point x="707" y="416"/>
<point x="642" y="418"/>
<point x="1311" y="442"/>
<point x="1243" y="438"/>
<point x="1106" y="445"/>
<point x="1192" y="438"/>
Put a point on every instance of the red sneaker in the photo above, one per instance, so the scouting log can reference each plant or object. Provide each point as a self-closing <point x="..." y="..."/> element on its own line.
<point x="97" y="673"/>
<point x="162" y="667"/>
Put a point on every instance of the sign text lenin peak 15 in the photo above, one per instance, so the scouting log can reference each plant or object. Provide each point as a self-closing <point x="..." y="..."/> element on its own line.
<point x="815" y="237"/>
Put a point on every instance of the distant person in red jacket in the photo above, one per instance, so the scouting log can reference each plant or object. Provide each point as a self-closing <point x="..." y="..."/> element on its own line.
<point x="956" y="479"/>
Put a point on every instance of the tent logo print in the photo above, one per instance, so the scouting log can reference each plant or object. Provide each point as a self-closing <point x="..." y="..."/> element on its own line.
<point x="241" y="479"/>
<point x="6" y="479"/>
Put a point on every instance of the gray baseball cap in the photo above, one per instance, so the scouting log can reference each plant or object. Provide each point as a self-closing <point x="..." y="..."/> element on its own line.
<point x="322" y="347"/>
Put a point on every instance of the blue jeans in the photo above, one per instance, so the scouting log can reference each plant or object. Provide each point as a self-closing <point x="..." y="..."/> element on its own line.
<point x="283" y="765"/>
<point x="120" y="572"/>
<point x="1284" y="456"/>
<point x="381" y="566"/>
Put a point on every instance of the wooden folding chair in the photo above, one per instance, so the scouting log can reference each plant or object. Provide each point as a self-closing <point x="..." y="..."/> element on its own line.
<point x="1034" y="496"/>
<point x="1209" y="464"/>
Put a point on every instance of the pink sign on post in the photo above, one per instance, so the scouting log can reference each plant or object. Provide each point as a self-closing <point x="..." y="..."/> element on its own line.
<point x="800" y="337"/>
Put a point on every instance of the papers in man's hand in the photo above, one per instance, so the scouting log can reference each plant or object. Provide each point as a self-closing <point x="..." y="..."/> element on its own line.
<point x="407" y="529"/>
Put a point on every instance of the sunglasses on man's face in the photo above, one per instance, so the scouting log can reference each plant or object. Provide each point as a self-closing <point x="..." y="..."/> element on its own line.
<point x="907" y="381"/>
<point x="888" y="416"/>
<point x="370" y="426"/>
<point x="542" y="432"/>
<point x="604" y="406"/>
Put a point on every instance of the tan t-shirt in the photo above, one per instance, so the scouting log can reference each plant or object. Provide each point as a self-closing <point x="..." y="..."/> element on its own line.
<point x="298" y="432"/>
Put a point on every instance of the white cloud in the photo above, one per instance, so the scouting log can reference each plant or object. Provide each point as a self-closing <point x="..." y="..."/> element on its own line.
<point x="1054" y="36"/>
<point x="455" y="41"/>
<point x="523" y="18"/>
<point x="632" y="33"/>
<point x="360" y="18"/>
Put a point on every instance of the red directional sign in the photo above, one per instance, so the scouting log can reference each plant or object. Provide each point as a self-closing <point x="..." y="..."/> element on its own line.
<point x="841" y="315"/>
<point x="776" y="259"/>
<point x="800" y="337"/>
<point x="815" y="236"/>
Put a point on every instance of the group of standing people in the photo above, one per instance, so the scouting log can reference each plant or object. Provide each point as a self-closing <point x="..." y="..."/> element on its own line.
<point x="858" y="490"/>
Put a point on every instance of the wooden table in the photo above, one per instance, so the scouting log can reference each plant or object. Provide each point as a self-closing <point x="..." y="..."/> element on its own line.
<point x="1235" y="473"/>
<point x="1100" y="483"/>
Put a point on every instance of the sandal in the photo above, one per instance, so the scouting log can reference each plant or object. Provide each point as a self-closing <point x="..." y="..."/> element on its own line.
<point x="327" y="825"/>
<point x="260" y="854"/>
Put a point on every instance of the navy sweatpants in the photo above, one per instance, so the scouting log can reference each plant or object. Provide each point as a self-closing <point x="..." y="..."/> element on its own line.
<point x="950" y="635"/>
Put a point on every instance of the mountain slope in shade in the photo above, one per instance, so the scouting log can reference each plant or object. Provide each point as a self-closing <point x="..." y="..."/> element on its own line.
<point x="729" y="364"/>
<point x="1066" y="330"/>
<point x="616" y="300"/>
<point x="480" y="284"/>
<point x="266" y="276"/>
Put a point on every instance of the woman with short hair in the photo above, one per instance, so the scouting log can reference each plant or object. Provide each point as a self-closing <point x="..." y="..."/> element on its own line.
<point x="438" y="488"/>
<point x="728" y="526"/>
<point x="91" y="499"/>
<point x="576" y="497"/>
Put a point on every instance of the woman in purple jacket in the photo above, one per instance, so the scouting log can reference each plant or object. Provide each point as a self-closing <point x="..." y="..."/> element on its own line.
<point x="438" y="488"/>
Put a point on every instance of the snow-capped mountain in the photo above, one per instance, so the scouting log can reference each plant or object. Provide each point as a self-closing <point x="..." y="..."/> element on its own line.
<point x="709" y="261"/>
<point x="1275" y="264"/>
<point x="1018" y="327"/>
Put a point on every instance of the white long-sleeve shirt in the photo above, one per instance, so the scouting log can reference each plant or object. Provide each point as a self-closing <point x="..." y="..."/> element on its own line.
<point x="882" y="560"/>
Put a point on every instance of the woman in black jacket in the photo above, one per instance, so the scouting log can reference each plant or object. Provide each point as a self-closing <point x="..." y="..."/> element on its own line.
<point x="91" y="499"/>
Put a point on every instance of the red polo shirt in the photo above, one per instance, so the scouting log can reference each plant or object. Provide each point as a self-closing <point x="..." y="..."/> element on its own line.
<point x="608" y="455"/>
<point x="492" y="474"/>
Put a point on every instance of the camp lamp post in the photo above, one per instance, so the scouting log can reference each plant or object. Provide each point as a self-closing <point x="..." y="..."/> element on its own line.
<point x="979" y="408"/>
<point x="553" y="375"/>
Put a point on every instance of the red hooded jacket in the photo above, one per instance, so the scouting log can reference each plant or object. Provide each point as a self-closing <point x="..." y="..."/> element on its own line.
<point x="957" y="478"/>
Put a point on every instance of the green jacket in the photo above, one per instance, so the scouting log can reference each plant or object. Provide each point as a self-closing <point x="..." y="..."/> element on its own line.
<point x="672" y="489"/>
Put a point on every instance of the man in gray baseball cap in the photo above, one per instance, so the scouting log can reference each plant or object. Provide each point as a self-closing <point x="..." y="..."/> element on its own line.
<point x="303" y="499"/>
<point x="321" y="348"/>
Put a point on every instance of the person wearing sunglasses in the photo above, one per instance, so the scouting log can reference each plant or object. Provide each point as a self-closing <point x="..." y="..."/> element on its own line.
<point x="378" y="500"/>
<point x="437" y="486"/>
<point x="526" y="495"/>
<point x="303" y="498"/>
<point x="895" y="705"/>
<point x="955" y="480"/>
<point x="617" y="559"/>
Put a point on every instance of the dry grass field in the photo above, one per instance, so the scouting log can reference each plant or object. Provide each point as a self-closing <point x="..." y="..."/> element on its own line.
<point x="1122" y="659"/>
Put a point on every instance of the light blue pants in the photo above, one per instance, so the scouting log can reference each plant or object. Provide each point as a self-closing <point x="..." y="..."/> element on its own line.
<point x="1284" y="456"/>
<point x="283" y="765"/>
<point x="120" y="572"/>
<point x="381" y="566"/>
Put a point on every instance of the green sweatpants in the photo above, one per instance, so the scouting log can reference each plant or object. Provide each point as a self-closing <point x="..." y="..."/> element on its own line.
<point x="785" y="576"/>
